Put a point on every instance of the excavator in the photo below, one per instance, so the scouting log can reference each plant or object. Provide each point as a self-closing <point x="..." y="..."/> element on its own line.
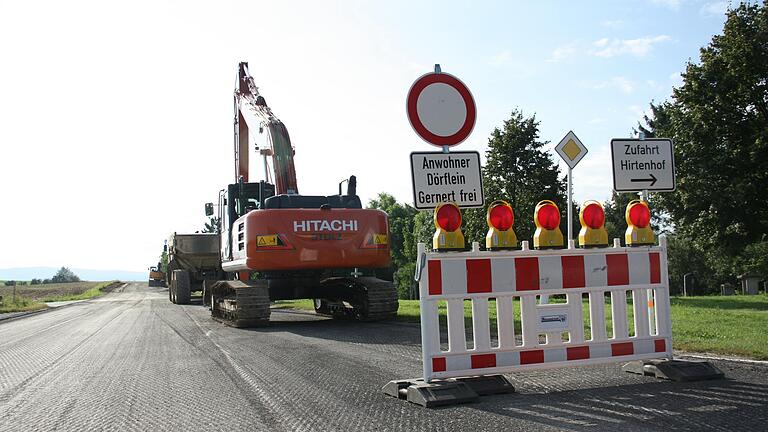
<point x="278" y="245"/>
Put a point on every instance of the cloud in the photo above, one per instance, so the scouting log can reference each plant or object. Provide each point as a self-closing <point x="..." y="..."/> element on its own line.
<point x="671" y="4"/>
<point x="638" y="113"/>
<point x="676" y="78"/>
<point x="501" y="58"/>
<point x="612" y="24"/>
<point x="653" y="84"/>
<point x="562" y="53"/>
<point x="626" y="86"/>
<point x="715" y="8"/>
<point x="637" y="47"/>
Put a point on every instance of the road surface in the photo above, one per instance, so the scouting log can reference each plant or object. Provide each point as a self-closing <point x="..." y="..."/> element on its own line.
<point x="130" y="360"/>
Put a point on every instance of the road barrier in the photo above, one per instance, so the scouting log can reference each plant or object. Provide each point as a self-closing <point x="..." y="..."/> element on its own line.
<point x="496" y="279"/>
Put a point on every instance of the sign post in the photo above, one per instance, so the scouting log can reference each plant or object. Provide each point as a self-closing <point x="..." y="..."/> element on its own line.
<point x="643" y="165"/>
<point x="572" y="151"/>
<point x="442" y="112"/>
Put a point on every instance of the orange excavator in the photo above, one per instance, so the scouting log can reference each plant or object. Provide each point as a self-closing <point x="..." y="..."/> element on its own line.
<point x="277" y="244"/>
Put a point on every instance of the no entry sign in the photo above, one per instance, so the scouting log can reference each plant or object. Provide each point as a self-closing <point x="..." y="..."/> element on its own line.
<point x="441" y="109"/>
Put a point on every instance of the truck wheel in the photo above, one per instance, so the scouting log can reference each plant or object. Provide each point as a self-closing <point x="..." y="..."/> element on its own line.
<point x="207" y="292"/>
<point x="183" y="291"/>
<point x="172" y="290"/>
<point x="321" y="307"/>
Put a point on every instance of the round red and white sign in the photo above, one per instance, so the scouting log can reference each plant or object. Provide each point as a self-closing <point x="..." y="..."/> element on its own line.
<point x="441" y="109"/>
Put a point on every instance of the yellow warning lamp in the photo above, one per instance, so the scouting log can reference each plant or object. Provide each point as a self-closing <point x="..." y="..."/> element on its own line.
<point x="547" y="219"/>
<point x="500" y="220"/>
<point x="448" y="234"/>
<point x="638" y="217"/>
<point x="592" y="218"/>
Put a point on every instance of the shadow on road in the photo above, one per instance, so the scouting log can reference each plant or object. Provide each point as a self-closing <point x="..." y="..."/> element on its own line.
<point x="660" y="405"/>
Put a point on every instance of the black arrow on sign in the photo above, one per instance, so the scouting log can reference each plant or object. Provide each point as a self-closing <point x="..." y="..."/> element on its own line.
<point x="652" y="180"/>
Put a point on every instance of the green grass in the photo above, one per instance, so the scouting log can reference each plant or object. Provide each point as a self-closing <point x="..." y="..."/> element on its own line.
<point x="22" y="304"/>
<point x="95" y="291"/>
<point x="736" y="325"/>
<point x="732" y="325"/>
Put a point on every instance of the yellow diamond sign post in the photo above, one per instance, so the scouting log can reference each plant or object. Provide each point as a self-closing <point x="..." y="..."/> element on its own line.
<point x="572" y="151"/>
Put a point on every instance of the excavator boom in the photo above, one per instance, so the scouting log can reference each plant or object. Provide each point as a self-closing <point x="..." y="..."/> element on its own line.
<point x="253" y="114"/>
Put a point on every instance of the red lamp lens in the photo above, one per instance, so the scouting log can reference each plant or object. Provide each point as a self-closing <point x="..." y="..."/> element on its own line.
<point x="640" y="215"/>
<point x="594" y="216"/>
<point x="502" y="217"/>
<point x="449" y="218"/>
<point x="549" y="216"/>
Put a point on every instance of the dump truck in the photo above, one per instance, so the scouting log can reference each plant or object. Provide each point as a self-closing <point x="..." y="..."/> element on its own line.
<point x="193" y="260"/>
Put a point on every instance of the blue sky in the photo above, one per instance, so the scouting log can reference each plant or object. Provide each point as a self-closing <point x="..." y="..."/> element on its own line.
<point x="122" y="113"/>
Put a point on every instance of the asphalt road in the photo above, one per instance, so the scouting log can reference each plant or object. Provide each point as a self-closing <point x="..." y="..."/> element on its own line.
<point x="130" y="360"/>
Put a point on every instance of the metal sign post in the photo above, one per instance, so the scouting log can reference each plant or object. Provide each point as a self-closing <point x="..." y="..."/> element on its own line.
<point x="442" y="112"/>
<point x="571" y="150"/>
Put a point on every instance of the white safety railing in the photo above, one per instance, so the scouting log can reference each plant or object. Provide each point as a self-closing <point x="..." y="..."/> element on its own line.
<point x="508" y="278"/>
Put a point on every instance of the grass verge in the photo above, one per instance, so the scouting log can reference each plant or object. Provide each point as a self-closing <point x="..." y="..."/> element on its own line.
<point x="95" y="291"/>
<point x="22" y="304"/>
<point x="729" y="325"/>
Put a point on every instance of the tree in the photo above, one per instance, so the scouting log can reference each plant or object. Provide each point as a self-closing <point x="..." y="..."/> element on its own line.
<point x="401" y="218"/>
<point x="35" y="282"/>
<point x="212" y="226"/>
<point x="64" y="275"/>
<point x="519" y="171"/>
<point x="164" y="262"/>
<point x="718" y="119"/>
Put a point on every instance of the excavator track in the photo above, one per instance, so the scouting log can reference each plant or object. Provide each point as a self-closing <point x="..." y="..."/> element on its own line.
<point x="240" y="304"/>
<point x="371" y="299"/>
<point x="379" y="300"/>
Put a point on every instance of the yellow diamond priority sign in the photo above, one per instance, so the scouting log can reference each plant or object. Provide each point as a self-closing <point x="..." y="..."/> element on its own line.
<point x="571" y="149"/>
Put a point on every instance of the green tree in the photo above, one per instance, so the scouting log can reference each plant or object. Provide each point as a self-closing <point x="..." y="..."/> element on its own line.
<point x="519" y="171"/>
<point x="212" y="226"/>
<point x="718" y="119"/>
<point x="164" y="262"/>
<point x="401" y="218"/>
<point x="64" y="275"/>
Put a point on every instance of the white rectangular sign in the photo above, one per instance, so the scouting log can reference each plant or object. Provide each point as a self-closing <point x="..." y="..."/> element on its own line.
<point x="647" y="164"/>
<point x="446" y="177"/>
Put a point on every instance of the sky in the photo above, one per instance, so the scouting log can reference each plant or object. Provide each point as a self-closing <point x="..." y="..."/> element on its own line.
<point x="116" y="117"/>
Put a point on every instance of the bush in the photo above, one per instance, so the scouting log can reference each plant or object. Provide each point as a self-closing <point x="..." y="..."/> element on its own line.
<point x="65" y="275"/>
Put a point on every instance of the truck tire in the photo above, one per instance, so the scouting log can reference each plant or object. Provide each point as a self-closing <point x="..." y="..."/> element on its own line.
<point x="183" y="291"/>
<point x="172" y="289"/>
<point x="207" y="292"/>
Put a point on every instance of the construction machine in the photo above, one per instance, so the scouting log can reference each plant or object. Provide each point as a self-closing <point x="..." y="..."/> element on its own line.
<point x="193" y="261"/>
<point x="156" y="276"/>
<point x="277" y="244"/>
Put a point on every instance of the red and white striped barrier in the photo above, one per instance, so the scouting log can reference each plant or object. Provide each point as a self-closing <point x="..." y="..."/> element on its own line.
<point x="524" y="275"/>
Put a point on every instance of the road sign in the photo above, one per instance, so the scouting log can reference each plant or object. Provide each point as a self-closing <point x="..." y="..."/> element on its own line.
<point x="647" y="164"/>
<point x="571" y="149"/>
<point x="446" y="177"/>
<point x="441" y="109"/>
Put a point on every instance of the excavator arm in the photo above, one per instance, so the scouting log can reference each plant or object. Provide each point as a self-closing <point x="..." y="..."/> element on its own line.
<point x="253" y="114"/>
